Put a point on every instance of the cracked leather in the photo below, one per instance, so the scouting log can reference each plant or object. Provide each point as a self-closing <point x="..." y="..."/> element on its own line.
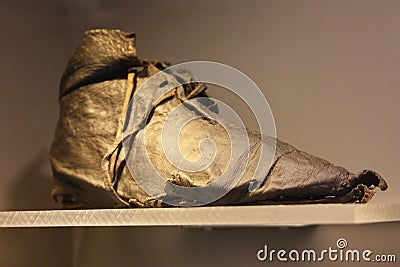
<point x="90" y="169"/>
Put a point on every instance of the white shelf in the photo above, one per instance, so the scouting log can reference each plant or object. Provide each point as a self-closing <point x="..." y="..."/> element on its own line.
<point x="235" y="216"/>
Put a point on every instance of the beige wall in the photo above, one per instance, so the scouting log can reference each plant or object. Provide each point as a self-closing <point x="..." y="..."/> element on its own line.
<point x="329" y="69"/>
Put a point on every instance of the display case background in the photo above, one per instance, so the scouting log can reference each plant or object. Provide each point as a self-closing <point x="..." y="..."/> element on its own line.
<point x="329" y="69"/>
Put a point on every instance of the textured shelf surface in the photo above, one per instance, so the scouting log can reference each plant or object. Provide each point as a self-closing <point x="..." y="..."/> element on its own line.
<point x="276" y="215"/>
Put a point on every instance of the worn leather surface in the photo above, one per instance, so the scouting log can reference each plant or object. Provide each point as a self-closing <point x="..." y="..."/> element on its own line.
<point x="89" y="163"/>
